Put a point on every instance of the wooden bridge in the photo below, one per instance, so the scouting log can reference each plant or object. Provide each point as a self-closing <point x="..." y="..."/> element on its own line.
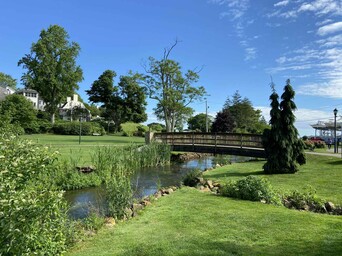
<point x="216" y="143"/>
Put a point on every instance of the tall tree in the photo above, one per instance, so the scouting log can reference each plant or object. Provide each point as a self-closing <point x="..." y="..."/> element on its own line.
<point x="284" y="148"/>
<point x="224" y="122"/>
<point x="172" y="89"/>
<point x="133" y="98"/>
<point x="51" y="67"/>
<point x="198" y="122"/>
<point x="121" y="103"/>
<point x="247" y="119"/>
<point x="7" y="80"/>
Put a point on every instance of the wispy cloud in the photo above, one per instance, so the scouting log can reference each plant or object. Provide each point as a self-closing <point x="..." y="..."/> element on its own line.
<point x="319" y="61"/>
<point x="330" y="28"/>
<point x="251" y="53"/>
<point x="236" y="13"/>
<point x="282" y="3"/>
<point x="318" y="7"/>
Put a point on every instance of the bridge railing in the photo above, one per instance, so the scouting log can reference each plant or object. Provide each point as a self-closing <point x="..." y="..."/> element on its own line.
<point x="210" y="139"/>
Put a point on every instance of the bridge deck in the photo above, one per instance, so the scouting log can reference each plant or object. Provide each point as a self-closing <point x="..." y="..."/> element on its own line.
<point x="218" y="143"/>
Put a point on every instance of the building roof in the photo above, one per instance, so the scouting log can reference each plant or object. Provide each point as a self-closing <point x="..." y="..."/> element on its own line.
<point x="26" y="90"/>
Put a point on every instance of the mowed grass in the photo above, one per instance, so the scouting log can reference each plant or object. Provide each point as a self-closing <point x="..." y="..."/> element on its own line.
<point x="323" y="173"/>
<point x="80" y="153"/>
<point x="190" y="222"/>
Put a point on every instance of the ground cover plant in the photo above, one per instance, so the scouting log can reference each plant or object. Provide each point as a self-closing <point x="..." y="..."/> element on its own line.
<point x="190" y="222"/>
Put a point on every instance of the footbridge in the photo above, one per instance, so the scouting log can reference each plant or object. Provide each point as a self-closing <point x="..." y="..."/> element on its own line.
<point x="216" y="143"/>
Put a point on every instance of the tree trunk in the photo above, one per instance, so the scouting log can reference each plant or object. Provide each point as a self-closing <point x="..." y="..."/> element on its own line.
<point x="53" y="118"/>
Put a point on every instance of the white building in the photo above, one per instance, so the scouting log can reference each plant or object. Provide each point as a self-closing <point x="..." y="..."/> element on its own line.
<point x="4" y="91"/>
<point x="66" y="110"/>
<point x="33" y="96"/>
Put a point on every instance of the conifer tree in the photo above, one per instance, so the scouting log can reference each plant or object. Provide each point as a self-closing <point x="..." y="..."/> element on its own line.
<point x="284" y="149"/>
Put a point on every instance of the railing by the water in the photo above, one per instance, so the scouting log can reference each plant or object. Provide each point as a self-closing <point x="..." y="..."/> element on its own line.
<point x="238" y="140"/>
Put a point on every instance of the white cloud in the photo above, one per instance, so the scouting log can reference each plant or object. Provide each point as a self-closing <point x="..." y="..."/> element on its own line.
<point x="322" y="7"/>
<point x="331" y="28"/>
<point x="318" y="7"/>
<point x="304" y="118"/>
<point x="330" y="41"/>
<point x="321" y="23"/>
<point x="330" y="89"/>
<point x="282" y="3"/>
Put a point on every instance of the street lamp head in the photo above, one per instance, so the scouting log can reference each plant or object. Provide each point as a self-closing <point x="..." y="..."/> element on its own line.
<point x="335" y="112"/>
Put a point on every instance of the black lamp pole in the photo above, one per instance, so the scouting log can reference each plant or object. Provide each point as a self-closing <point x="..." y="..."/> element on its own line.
<point x="80" y="134"/>
<point x="335" y="148"/>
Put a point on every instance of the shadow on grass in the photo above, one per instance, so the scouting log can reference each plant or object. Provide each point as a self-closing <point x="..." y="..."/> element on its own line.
<point x="235" y="174"/>
<point x="335" y="162"/>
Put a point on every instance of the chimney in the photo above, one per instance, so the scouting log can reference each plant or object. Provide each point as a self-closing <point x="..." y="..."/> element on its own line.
<point x="68" y="99"/>
<point x="75" y="97"/>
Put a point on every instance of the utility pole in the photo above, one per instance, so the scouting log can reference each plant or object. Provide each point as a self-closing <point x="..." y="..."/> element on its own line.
<point x="206" y="116"/>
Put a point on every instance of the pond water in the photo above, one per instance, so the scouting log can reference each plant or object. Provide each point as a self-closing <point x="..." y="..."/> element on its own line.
<point x="145" y="182"/>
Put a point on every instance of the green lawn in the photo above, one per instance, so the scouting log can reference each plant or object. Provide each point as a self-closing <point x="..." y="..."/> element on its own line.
<point x="190" y="222"/>
<point x="71" y="150"/>
<point x="321" y="172"/>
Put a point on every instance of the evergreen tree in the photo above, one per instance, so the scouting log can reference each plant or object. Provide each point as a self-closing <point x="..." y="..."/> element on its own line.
<point x="284" y="149"/>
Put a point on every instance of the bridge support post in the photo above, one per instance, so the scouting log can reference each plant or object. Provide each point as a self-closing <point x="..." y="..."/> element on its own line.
<point x="149" y="137"/>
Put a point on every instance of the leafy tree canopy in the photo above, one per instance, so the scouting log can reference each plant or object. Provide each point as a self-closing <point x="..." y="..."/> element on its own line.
<point x="246" y="118"/>
<point x="224" y="122"/>
<point x="51" y="67"/>
<point x="16" y="109"/>
<point x="198" y="122"/>
<point x="7" y="80"/>
<point x="173" y="90"/>
<point x="122" y="103"/>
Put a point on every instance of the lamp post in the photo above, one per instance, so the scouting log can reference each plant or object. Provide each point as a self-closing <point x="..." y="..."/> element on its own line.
<point x="80" y="133"/>
<point x="335" y="146"/>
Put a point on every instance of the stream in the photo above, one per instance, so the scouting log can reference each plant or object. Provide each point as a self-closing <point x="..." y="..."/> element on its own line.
<point x="145" y="182"/>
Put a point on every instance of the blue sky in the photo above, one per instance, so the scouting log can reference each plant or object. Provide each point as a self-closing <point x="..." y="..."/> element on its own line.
<point x="239" y="44"/>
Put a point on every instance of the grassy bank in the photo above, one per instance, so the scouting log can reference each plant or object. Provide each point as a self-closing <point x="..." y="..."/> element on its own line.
<point x="190" y="222"/>
<point x="321" y="172"/>
<point x="72" y="151"/>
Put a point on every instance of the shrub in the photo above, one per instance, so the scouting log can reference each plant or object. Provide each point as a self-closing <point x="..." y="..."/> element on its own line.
<point x="133" y="129"/>
<point x="319" y="144"/>
<point x="45" y="126"/>
<point x="73" y="128"/>
<point x="309" y="144"/>
<point x="191" y="179"/>
<point x="33" y="217"/>
<point x="141" y="130"/>
<point x="251" y="188"/>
